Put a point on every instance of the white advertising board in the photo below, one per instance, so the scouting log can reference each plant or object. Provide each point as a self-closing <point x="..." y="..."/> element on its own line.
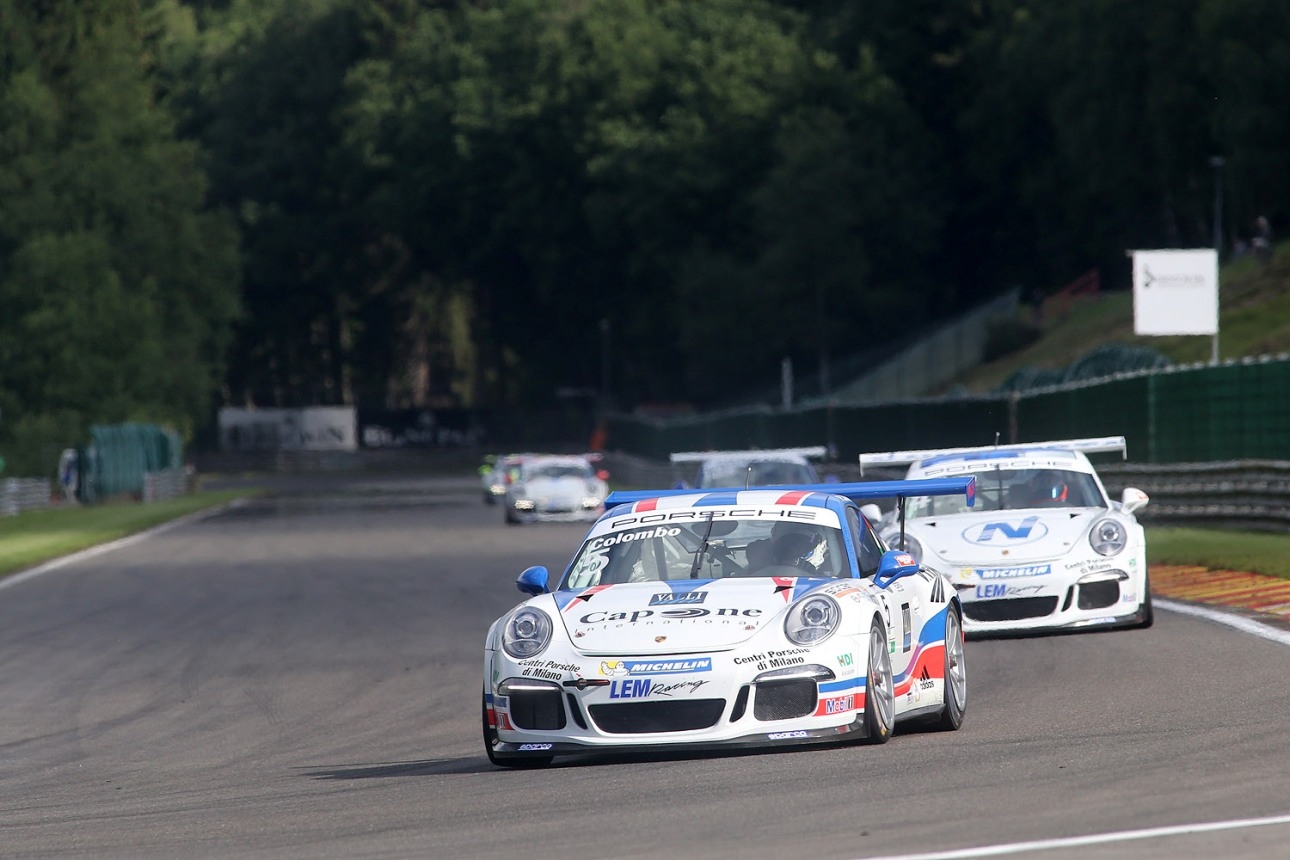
<point x="1175" y="292"/>
<point x="317" y="428"/>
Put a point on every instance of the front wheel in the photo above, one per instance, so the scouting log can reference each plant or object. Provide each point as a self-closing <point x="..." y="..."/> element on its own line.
<point x="879" y="694"/>
<point x="955" y="674"/>
<point x="1145" y="612"/>
<point x="490" y="739"/>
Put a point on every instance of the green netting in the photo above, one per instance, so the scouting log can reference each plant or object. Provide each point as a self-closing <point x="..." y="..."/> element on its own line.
<point x="1191" y="414"/>
<point x="118" y="456"/>
<point x="1101" y="363"/>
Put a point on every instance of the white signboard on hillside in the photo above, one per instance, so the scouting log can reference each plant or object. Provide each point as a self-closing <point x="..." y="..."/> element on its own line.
<point x="1175" y="292"/>
<point x="316" y="428"/>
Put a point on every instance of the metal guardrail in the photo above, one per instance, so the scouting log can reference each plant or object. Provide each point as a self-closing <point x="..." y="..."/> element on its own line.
<point x="167" y="484"/>
<point x="1248" y="494"/>
<point x="1244" y="494"/>
<point x="24" y="494"/>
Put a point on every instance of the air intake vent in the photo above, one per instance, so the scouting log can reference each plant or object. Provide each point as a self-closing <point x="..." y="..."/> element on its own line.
<point x="784" y="700"/>
<point x="1011" y="609"/>
<point x="638" y="718"/>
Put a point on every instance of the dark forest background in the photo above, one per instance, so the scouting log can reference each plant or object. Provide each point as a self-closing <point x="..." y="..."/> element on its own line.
<point x="400" y="204"/>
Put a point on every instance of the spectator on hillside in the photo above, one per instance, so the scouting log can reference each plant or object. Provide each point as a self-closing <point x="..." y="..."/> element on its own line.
<point x="1262" y="241"/>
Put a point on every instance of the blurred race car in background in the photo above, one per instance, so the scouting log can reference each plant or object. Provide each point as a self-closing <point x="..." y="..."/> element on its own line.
<point x="1043" y="549"/>
<point x="694" y="619"/>
<point x="556" y="488"/>
<point x="496" y="472"/>
<point x="768" y="468"/>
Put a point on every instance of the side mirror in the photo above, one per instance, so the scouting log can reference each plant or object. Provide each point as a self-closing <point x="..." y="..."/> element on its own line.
<point x="602" y="474"/>
<point x="895" y="564"/>
<point x="872" y="513"/>
<point x="534" y="581"/>
<point x="1133" y="499"/>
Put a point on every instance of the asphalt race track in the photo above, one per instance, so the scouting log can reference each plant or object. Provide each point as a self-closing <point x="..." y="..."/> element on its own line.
<point x="300" y="678"/>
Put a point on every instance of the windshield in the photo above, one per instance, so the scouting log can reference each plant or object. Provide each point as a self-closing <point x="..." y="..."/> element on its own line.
<point x="553" y="471"/>
<point x="756" y="473"/>
<point x="1009" y="489"/>
<point x="708" y="548"/>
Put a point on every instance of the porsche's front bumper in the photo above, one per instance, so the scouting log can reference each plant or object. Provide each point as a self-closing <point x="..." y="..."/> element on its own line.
<point x="704" y="702"/>
<point x="1070" y="594"/>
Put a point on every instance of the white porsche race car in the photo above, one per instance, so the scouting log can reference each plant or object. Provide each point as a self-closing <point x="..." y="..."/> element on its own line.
<point x="555" y="488"/>
<point x="725" y="619"/>
<point x="774" y="467"/>
<point x="1043" y="549"/>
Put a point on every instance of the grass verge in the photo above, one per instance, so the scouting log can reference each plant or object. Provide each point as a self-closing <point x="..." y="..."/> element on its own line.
<point x="36" y="536"/>
<point x="1252" y="552"/>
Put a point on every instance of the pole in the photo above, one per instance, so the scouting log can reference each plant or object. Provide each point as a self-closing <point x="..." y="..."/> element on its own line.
<point x="786" y="382"/>
<point x="604" y="366"/>
<point x="1217" y="162"/>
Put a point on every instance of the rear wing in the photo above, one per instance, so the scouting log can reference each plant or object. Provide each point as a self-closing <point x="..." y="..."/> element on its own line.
<point x="872" y="490"/>
<point x="861" y="490"/>
<point x="1101" y="445"/>
<point x="817" y="452"/>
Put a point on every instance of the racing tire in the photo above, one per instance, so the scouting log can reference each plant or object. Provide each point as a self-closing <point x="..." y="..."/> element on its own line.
<point x="490" y="738"/>
<point x="489" y="498"/>
<point x="955" y="702"/>
<point x="880" y="694"/>
<point x="1146" y="613"/>
<point x="511" y="519"/>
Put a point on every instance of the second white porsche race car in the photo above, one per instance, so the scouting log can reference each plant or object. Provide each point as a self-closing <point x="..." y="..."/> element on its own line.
<point x="1043" y="549"/>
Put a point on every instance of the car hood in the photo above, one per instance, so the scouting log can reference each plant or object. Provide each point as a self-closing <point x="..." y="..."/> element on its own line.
<point x="1013" y="536"/>
<point x="676" y="617"/>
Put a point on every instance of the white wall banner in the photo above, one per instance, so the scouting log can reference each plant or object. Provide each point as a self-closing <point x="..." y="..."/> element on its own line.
<point x="1175" y="292"/>
<point x="317" y="428"/>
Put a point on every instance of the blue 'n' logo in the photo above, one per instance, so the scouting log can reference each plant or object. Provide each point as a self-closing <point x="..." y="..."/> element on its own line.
<point x="1021" y="532"/>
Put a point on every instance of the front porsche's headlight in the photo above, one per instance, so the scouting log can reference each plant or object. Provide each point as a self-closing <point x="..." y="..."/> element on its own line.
<point x="812" y="620"/>
<point x="1108" y="536"/>
<point x="528" y="632"/>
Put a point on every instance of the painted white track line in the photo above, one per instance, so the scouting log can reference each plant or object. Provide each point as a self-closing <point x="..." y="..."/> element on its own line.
<point x="91" y="552"/>
<point x="1082" y="841"/>
<point x="1240" y="622"/>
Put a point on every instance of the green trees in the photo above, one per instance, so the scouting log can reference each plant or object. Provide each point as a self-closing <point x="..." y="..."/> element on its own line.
<point x="117" y="286"/>
<point x="440" y="203"/>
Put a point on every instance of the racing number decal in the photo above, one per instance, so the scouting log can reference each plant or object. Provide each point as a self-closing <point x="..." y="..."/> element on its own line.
<point x="904" y="620"/>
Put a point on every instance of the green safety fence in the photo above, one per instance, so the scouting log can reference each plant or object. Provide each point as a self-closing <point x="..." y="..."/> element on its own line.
<point x="119" y="455"/>
<point x="1198" y="413"/>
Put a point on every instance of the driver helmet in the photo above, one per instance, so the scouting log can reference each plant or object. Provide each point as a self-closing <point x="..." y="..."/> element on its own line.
<point x="1050" y="487"/>
<point x="794" y="542"/>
